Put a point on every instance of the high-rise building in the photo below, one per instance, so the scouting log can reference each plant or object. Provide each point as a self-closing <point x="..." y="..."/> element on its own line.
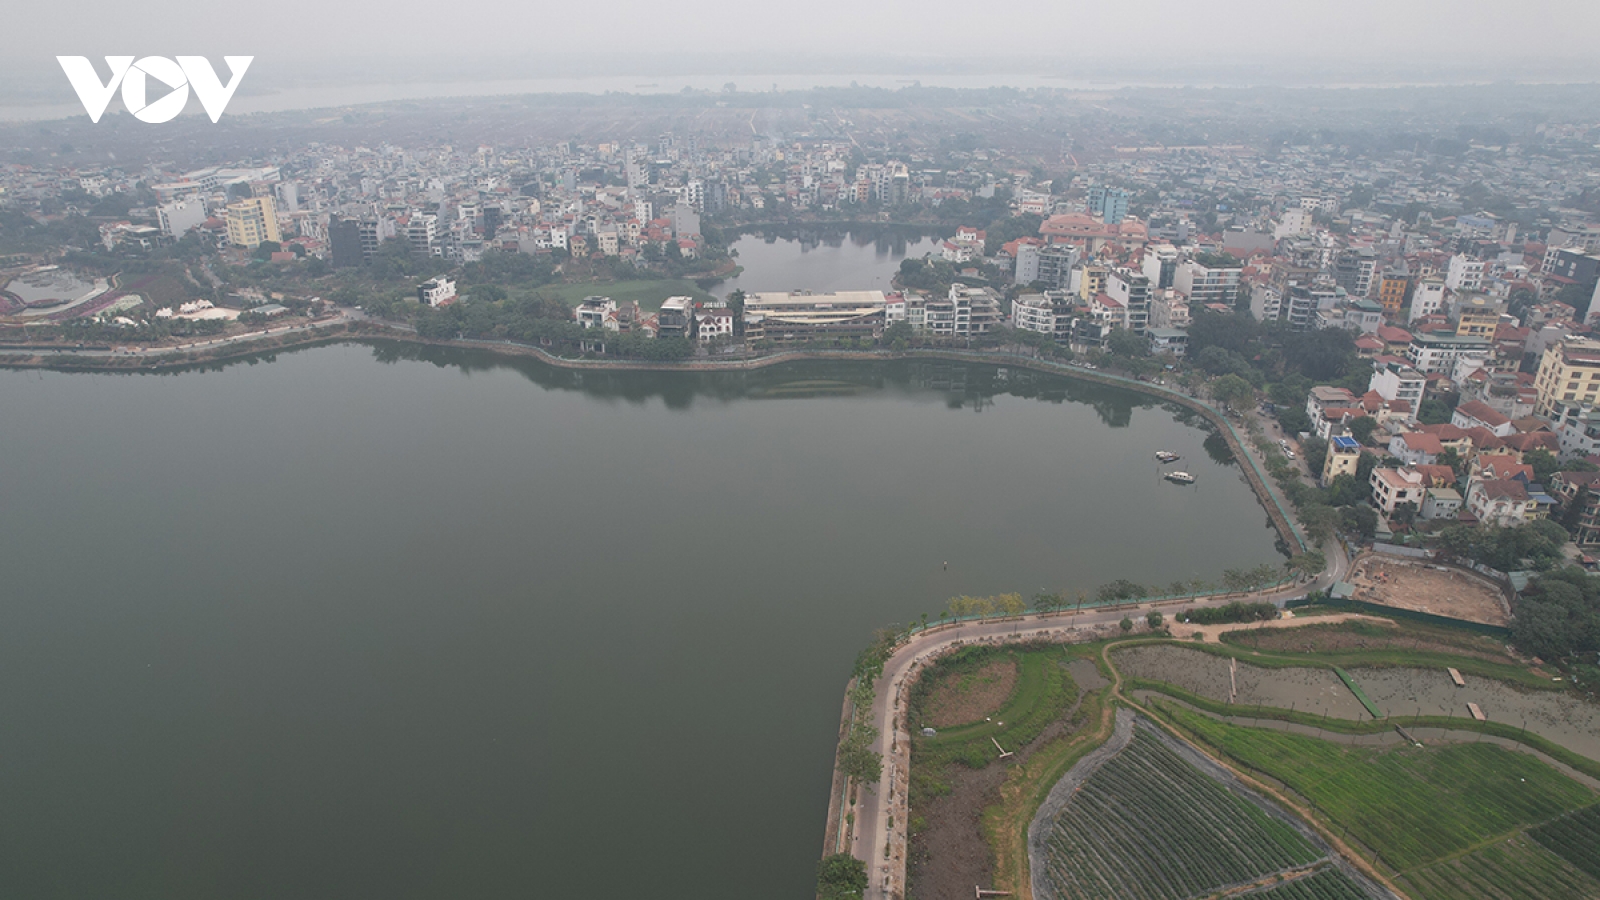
<point x="252" y="221"/>
<point x="1393" y="287"/>
<point x="1055" y="266"/>
<point x="179" y="216"/>
<point x="1569" y="375"/>
<point x="1110" y="204"/>
<point x="344" y="239"/>
<point x="1464" y="274"/>
<point x="1205" y="284"/>
<point x="1161" y="265"/>
<point x="1132" y="290"/>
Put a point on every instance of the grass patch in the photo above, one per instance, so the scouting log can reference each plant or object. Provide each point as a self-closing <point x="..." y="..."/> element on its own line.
<point x="648" y="293"/>
<point x="1044" y="691"/>
<point x="1005" y="824"/>
<point x="1411" y="807"/>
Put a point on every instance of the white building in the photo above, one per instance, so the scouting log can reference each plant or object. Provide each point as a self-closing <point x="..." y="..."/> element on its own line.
<point x="437" y="291"/>
<point x="1395" y="382"/>
<point x="1428" y="299"/>
<point x="1464" y="273"/>
<point x="178" y="217"/>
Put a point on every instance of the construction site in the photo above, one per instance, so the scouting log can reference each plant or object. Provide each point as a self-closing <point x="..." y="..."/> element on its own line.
<point x="1423" y="586"/>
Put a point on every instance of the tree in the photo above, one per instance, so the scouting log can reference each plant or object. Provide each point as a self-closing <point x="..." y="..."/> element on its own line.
<point x="841" y="876"/>
<point x="1319" y="520"/>
<point x="1314" y="451"/>
<point x="1126" y="624"/>
<point x="1452" y="459"/>
<point x="1124" y="343"/>
<point x="1231" y="391"/>
<point x="1404" y="514"/>
<point x="1047" y="602"/>
<point x="1361" y="429"/>
<point x="1544" y="465"/>
<point x="1153" y="620"/>
<point x="1308" y="563"/>
<point x="857" y="759"/>
<point x="1434" y="411"/>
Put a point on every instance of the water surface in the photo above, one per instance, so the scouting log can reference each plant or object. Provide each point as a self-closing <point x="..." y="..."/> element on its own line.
<point x="411" y="624"/>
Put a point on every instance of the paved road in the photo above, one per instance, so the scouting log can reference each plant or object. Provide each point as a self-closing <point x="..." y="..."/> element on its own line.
<point x="881" y="812"/>
<point x="157" y="352"/>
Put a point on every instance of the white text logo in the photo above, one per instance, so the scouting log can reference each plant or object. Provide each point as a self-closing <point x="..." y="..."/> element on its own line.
<point x="187" y="72"/>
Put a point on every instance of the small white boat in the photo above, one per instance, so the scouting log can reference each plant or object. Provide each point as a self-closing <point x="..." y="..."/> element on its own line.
<point x="1179" y="477"/>
<point x="1167" y="456"/>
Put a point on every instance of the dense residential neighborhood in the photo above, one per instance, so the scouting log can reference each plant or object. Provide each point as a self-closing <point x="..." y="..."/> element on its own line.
<point x="1419" y="322"/>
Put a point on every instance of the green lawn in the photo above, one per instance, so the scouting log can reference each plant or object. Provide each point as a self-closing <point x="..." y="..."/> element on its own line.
<point x="1411" y="806"/>
<point x="647" y="293"/>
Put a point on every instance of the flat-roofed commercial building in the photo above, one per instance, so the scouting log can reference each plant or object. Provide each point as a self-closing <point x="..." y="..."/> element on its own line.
<point x="788" y="318"/>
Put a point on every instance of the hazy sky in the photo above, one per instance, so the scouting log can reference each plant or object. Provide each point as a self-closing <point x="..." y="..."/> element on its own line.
<point x="309" y="35"/>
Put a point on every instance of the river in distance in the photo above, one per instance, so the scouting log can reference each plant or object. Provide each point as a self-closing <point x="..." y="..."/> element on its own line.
<point x="388" y="621"/>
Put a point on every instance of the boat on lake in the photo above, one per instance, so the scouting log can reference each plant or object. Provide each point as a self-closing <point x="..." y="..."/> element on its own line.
<point x="1179" y="477"/>
<point x="1167" y="456"/>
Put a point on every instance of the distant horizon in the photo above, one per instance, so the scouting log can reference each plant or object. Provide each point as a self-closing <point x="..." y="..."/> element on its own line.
<point x="273" y="86"/>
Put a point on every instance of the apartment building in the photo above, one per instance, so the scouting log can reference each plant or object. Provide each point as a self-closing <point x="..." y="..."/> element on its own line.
<point x="252" y="221"/>
<point x="1569" y="375"/>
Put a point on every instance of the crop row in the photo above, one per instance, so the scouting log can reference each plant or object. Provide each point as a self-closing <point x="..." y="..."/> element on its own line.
<point x="1149" y="826"/>
<point x="1411" y="806"/>
<point x="1327" y="884"/>
<point x="1517" y="867"/>
<point x="1574" y="838"/>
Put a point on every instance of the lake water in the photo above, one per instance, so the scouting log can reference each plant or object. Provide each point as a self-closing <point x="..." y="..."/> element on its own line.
<point x="404" y="623"/>
<point x="861" y="260"/>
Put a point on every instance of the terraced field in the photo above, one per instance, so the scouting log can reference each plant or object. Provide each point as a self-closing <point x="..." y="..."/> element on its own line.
<point x="1148" y="825"/>
<point x="1326" y="884"/>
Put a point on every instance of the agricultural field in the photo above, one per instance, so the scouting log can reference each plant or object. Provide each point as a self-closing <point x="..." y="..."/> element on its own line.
<point x="1148" y="825"/>
<point x="1488" y="873"/>
<point x="1575" y="838"/>
<point x="1330" y="883"/>
<point x="1410" y="808"/>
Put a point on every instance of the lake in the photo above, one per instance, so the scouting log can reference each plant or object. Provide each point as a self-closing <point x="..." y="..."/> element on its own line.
<point x="408" y="622"/>
<point x="827" y="260"/>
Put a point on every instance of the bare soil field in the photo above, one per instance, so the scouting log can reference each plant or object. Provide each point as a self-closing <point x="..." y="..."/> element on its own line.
<point x="967" y="696"/>
<point x="1317" y="691"/>
<point x="1561" y="716"/>
<point x="1423" y="587"/>
<point x="1368" y="633"/>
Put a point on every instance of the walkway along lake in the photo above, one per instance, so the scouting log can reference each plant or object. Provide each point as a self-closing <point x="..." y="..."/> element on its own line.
<point x="412" y="621"/>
